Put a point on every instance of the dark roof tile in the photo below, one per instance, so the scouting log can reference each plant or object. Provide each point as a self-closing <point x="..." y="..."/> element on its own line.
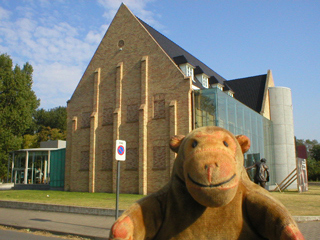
<point x="180" y="60"/>
<point x="198" y="70"/>
<point x="174" y="50"/>
<point x="213" y="80"/>
<point x="249" y="91"/>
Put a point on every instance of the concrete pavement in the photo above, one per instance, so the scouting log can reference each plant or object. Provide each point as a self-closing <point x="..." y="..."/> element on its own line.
<point x="310" y="230"/>
<point x="98" y="226"/>
<point x="88" y="226"/>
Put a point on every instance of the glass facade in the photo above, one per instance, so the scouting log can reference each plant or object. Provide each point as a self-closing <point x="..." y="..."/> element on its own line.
<point x="38" y="166"/>
<point x="37" y="170"/>
<point x="213" y="107"/>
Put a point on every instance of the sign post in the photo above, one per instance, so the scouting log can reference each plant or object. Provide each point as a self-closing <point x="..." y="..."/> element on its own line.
<point x="120" y="156"/>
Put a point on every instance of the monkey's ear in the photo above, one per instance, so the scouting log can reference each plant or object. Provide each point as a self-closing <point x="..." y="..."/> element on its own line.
<point x="175" y="142"/>
<point x="244" y="142"/>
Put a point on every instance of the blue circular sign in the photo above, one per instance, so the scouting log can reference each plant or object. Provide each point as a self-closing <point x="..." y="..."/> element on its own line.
<point x="120" y="150"/>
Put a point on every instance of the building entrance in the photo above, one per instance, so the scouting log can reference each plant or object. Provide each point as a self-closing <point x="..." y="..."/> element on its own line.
<point x="30" y="168"/>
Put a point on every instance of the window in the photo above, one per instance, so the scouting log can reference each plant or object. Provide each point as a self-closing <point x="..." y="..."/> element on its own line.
<point x="159" y="108"/>
<point x="159" y="157"/>
<point x="84" y="160"/>
<point x="218" y="86"/>
<point x="189" y="72"/>
<point x="107" y="157"/>
<point x="230" y="93"/>
<point x="133" y="113"/>
<point x="205" y="81"/>
<point x="107" y="116"/>
<point x="132" y="158"/>
<point x="85" y="120"/>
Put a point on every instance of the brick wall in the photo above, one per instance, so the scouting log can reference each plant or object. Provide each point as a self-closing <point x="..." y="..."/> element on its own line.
<point x="136" y="94"/>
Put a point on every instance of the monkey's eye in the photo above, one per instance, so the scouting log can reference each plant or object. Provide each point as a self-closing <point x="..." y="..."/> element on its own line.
<point x="194" y="143"/>
<point x="225" y="143"/>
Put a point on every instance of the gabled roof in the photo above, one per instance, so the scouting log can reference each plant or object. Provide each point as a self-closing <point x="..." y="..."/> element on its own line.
<point x="249" y="91"/>
<point x="178" y="54"/>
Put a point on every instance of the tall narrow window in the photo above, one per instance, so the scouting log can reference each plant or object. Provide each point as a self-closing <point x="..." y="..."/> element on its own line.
<point x="132" y="159"/>
<point x="159" y="157"/>
<point x="159" y="108"/>
<point x="84" y="160"/>
<point x="85" y="119"/>
<point x="205" y="81"/>
<point x="107" y="158"/>
<point x="133" y="113"/>
<point x="189" y="72"/>
<point x="107" y="116"/>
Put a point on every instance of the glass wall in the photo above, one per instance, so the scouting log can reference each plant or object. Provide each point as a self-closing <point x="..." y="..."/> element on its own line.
<point x="212" y="107"/>
<point x="19" y="167"/>
<point x="37" y="168"/>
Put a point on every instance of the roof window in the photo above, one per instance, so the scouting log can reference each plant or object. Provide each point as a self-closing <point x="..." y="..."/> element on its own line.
<point x="188" y="70"/>
<point x="217" y="85"/>
<point x="203" y="79"/>
<point x="230" y="93"/>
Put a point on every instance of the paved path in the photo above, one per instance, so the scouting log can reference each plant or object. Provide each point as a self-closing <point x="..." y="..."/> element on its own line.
<point x="93" y="226"/>
<point x="96" y="227"/>
<point x="310" y="230"/>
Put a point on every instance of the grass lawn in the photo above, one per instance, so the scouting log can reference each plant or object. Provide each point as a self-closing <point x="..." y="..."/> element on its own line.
<point x="299" y="204"/>
<point x="83" y="199"/>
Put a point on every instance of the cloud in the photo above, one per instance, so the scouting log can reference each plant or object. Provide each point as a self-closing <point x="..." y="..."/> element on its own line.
<point x="58" y="83"/>
<point x="95" y="36"/>
<point x="4" y="14"/>
<point x="56" y="50"/>
<point x="138" y="7"/>
<point x="57" y="42"/>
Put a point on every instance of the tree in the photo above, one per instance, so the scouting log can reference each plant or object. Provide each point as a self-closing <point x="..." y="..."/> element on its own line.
<point x="313" y="169"/>
<point x="18" y="103"/>
<point x="47" y="125"/>
<point x="48" y="133"/>
<point x="30" y="141"/>
<point x="53" y="118"/>
<point x="315" y="152"/>
<point x="45" y="134"/>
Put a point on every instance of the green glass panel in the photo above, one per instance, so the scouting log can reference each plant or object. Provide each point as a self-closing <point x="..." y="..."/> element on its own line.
<point x="214" y="107"/>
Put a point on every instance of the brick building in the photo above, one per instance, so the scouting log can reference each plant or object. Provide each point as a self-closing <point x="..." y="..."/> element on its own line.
<point x="142" y="88"/>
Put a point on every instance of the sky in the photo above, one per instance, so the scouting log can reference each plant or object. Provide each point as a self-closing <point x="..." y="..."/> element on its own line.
<point x="235" y="38"/>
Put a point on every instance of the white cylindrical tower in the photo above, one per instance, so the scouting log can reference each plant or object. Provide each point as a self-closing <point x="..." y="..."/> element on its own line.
<point x="281" y="112"/>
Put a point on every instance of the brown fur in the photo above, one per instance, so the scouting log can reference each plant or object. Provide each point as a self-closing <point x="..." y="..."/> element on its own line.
<point x="208" y="197"/>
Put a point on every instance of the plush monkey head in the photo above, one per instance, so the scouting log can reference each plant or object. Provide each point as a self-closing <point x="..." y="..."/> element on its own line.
<point x="210" y="162"/>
